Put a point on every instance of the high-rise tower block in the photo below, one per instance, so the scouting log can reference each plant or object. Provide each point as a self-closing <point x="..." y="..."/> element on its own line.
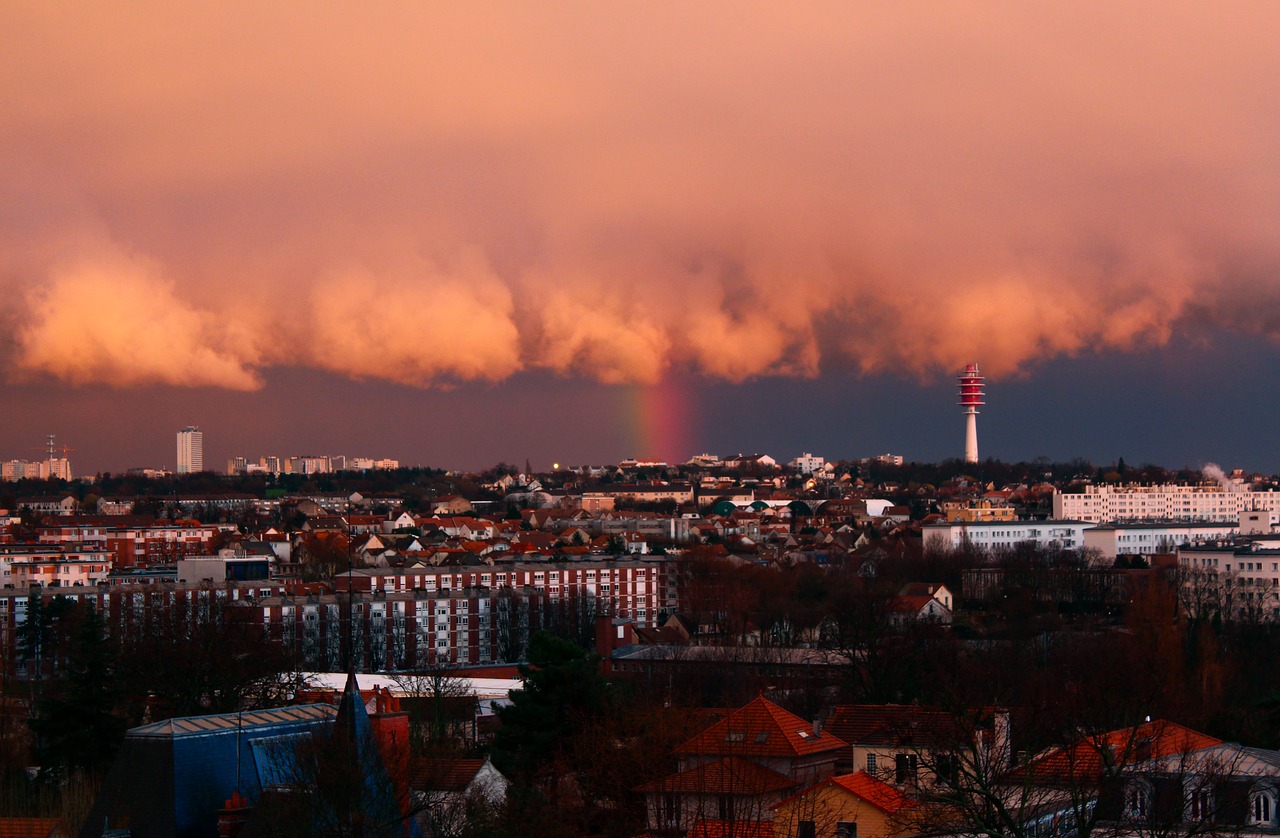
<point x="190" y="450"/>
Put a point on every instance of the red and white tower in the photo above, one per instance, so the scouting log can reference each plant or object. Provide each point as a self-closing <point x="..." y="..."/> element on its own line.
<point x="971" y="394"/>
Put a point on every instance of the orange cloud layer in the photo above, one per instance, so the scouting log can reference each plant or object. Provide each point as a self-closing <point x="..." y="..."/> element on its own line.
<point x="430" y="194"/>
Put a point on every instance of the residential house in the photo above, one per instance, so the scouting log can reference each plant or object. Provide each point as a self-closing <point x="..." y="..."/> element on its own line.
<point x="1226" y="788"/>
<point x="448" y="790"/>
<point x="905" y="611"/>
<point x="907" y="745"/>
<point x="854" y="805"/>
<point x="739" y="767"/>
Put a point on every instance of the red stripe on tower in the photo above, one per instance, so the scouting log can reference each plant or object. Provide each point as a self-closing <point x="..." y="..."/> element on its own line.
<point x="971" y="393"/>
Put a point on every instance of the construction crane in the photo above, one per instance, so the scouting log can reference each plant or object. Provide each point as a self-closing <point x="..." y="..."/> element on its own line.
<point x="50" y="448"/>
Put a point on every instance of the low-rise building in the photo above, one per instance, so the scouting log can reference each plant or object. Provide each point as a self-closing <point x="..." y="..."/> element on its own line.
<point x="1131" y="538"/>
<point x="995" y="535"/>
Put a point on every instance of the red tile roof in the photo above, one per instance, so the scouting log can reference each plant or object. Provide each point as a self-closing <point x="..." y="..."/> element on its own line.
<point x="730" y="775"/>
<point x="731" y="829"/>
<point x="892" y="724"/>
<point x="761" y="729"/>
<point x="876" y="792"/>
<point x="30" y="827"/>
<point x="443" y="774"/>
<point x="909" y="604"/>
<point x="863" y="786"/>
<point x="1091" y="756"/>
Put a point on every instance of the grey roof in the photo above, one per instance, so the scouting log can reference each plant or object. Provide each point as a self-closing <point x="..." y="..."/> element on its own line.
<point x="250" y="719"/>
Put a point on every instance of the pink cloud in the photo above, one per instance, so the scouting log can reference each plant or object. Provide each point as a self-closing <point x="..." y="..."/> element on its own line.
<point x="775" y="189"/>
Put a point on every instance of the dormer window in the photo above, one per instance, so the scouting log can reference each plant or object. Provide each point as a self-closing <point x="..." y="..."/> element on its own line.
<point x="1262" y="807"/>
<point x="735" y="737"/>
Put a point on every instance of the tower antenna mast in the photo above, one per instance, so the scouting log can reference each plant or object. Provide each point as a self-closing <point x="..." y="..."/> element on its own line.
<point x="971" y="393"/>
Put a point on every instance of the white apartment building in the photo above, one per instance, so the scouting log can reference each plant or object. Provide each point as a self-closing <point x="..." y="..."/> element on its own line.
<point x="50" y="565"/>
<point x="56" y="467"/>
<point x="190" y="450"/>
<point x="995" y="535"/>
<point x="807" y="463"/>
<point x="1239" y="581"/>
<point x="1211" y="502"/>
<point x="1147" y="537"/>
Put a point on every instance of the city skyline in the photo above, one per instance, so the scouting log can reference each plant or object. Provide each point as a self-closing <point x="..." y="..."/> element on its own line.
<point x="1034" y="416"/>
<point x="586" y="233"/>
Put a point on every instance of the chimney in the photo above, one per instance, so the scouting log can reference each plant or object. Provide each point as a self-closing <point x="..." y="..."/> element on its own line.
<point x="1000" y="735"/>
<point x="817" y="727"/>
<point x="232" y="816"/>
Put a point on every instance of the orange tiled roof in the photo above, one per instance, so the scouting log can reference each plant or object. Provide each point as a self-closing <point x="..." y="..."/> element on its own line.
<point x="429" y="774"/>
<point x="876" y="792"/>
<point x="730" y="775"/>
<point x="731" y="829"/>
<point x="892" y="724"/>
<point x="761" y="729"/>
<point x="29" y="827"/>
<point x="1091" y="756"/>
<point x="909" y="604"/>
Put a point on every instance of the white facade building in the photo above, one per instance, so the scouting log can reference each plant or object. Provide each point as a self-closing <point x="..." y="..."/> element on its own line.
<point x="1212" y="502"/>
<point x="806" y="463"/>
<point x="1239" y="580"/>
<point x="55" y="467"/>
<point x="994" y="535"/>
<point x="1130" y="539"/>
<point x="190" y="450"/>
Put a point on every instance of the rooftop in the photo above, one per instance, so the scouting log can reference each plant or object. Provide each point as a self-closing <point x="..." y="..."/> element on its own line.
<point x="251" y="719"/>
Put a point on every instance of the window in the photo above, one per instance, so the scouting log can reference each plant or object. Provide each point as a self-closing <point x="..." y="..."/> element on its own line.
<point x="806" y="829"/>
<point x="905" y="768"/>
<point x="945" y="769"/>
<point x="1201" y="805"/>
<point x="726" y="807"/>
<point x="670" y="811"/>
<point x="871" y="764"/>
<point x="846" y="829"/>
<point x="1260" y="808"/>
<point x="1137" y="801"/>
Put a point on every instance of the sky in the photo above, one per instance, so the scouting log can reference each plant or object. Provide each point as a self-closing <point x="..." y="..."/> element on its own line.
<point x="455" y="234"/>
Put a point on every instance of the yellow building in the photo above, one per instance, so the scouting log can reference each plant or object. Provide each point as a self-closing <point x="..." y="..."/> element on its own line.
<point x="848" y="806"/>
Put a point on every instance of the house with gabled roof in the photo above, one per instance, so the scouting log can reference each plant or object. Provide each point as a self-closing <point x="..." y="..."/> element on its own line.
<point x="1088" y="758"/>
<point x="843" y="806"/>
<point x="1225" y="788"/>
<point x="905" y="611"/>
<point x="890" y="741"/>
<point x="740" y="766"/>
<point x="451" y="505"/>
<point x="446" y="789"/>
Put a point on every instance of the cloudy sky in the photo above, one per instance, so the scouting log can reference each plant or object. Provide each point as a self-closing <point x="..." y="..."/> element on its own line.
<point x="463" y="233"/>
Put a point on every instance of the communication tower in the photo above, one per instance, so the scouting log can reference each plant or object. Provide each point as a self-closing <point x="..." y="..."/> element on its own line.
<point x="971" y="393"/>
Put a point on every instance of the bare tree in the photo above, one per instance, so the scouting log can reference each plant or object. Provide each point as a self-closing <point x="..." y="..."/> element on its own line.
<point x="441" y="706"/>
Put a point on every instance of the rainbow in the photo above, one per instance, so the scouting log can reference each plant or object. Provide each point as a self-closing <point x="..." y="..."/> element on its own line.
<point x="656" y="418"/>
